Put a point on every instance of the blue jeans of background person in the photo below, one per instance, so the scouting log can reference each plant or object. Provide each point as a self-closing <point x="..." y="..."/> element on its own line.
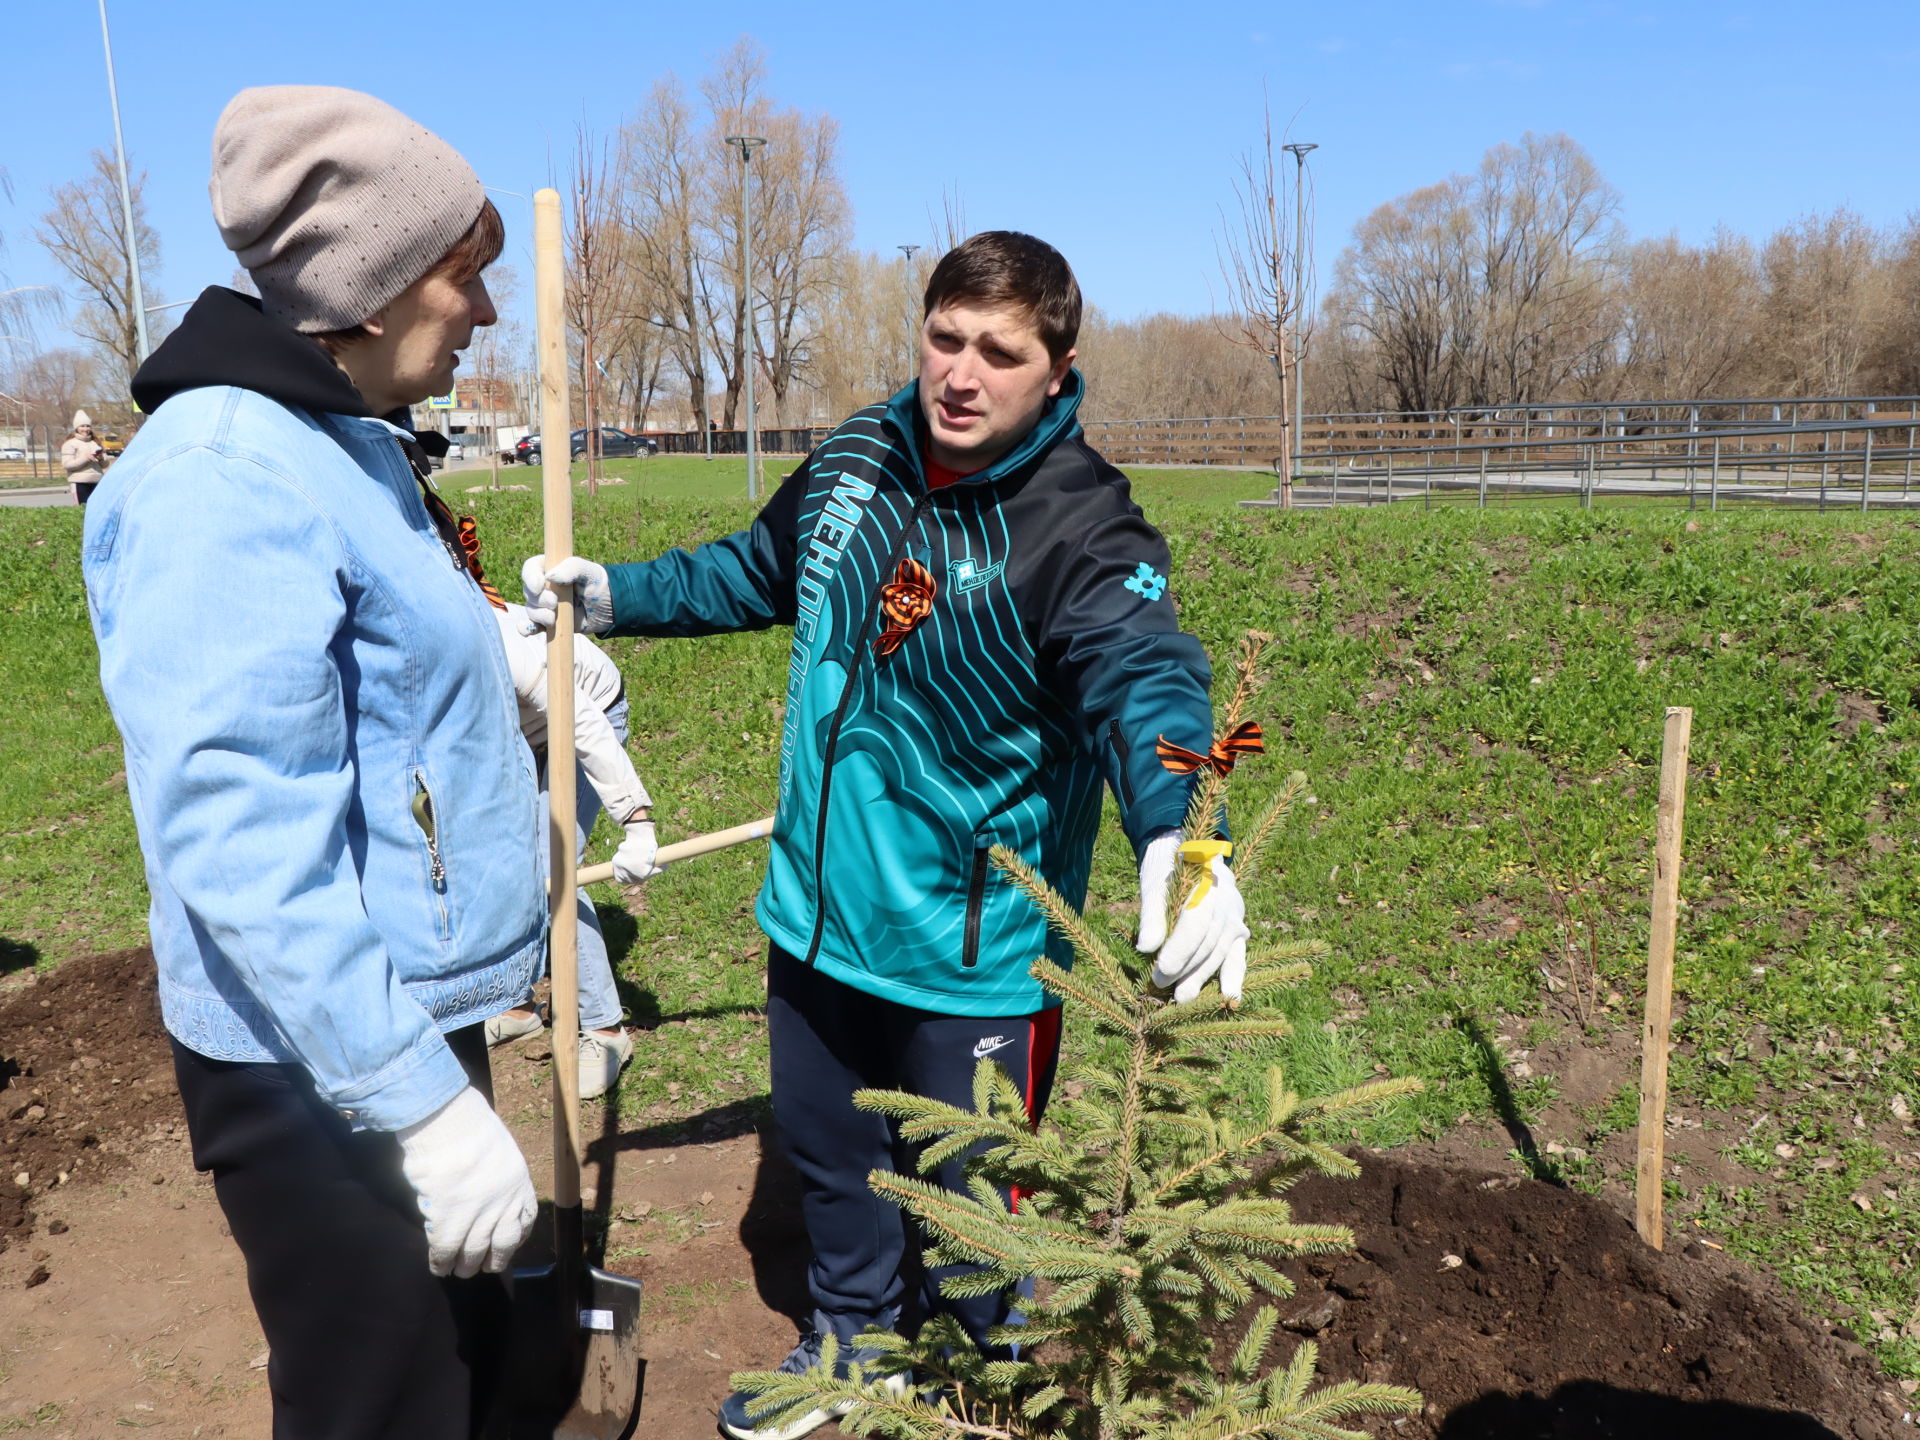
<point x="599" y="999"/>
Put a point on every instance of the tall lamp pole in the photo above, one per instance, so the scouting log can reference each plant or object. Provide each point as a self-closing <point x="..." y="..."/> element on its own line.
<point x="126" y="194"/>
<point x="747" y="145"/>
<point x="909" y="251"/>
<point x="1299" y="152"/>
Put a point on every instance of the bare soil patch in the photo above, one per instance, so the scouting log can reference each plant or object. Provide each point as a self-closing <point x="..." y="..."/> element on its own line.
<point x="1523" y="1311"/>
<point x="85" y="1074"/>
<point x="123" y="1303"/>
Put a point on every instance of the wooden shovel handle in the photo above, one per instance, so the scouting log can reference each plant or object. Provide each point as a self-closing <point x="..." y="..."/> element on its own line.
<point x="687" y="849"/>
<point x="563" y="956"/>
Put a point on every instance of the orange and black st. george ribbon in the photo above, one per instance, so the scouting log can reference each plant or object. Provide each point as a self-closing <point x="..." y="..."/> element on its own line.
<point x="1241" y="740"/>
<point x="464" y="533"/>
<point x="469" y="534"/>
<point x="905" y="601"/>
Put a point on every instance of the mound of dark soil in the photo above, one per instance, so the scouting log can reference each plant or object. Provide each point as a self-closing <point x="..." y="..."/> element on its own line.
<point x="1525" y="1312"/>
<point x="84" y="1073"/>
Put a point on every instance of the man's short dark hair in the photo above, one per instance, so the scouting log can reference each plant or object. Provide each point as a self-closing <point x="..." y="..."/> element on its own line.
<point x="1006" y="268"/>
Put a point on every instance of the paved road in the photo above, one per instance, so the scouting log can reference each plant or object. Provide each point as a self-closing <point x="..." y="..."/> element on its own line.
<point x="37" y="498"/>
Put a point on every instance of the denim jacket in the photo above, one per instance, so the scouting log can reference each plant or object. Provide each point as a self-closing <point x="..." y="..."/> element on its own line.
<point x="339" y="819"/>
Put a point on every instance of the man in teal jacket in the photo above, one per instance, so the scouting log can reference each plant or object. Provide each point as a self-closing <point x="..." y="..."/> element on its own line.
<point x="983" y="637"/>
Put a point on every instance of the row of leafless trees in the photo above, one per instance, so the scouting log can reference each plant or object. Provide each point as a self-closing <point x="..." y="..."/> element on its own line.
<point x="1518" y="282"/>
<point x="1515" y="282"/>
<point x="665" y="314"/>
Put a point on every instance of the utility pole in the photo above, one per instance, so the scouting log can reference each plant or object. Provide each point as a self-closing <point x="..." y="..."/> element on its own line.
<point x="747" y="145"/>
<point x="909" y="251"/>
<point x="126" y="194"/>
<point x="1299" y="152"/>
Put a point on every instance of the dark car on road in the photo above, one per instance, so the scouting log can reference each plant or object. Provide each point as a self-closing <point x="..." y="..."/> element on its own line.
<point x="614" y="444"/>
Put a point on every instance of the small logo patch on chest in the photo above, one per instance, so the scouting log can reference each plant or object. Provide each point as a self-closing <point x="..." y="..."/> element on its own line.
<point x="967" y="575"/>
<point x="1147" y="582"/>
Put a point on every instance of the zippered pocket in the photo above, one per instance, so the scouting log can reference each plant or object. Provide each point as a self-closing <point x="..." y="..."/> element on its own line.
<point x="976" y="902"/>
<point x="421" y="807"/>
<point x="1122" y="753"/>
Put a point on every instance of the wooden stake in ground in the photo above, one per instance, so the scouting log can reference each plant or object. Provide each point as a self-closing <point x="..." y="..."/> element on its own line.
<point x="1649" y="1216"/>
<point x="576" y="1328"/>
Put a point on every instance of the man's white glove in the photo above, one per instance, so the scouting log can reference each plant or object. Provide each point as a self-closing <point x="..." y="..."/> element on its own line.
<point x="592" y="593"/>
<point x="472" y="1185"/>
<point x="633" y="861"/>
<point x="1210" y="935"/>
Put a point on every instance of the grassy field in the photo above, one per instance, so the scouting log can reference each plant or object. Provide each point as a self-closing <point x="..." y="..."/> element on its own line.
<point x="1477" y="698"/>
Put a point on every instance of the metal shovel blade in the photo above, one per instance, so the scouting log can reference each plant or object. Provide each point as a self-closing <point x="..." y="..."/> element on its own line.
<point x="579" y="1381"/>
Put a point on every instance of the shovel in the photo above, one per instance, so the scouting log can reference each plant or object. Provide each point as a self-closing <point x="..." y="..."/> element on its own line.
<point x="575" y="1369"/>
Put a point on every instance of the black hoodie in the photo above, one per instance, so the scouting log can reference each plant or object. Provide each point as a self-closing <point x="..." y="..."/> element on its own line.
<point x="227" y="339"/>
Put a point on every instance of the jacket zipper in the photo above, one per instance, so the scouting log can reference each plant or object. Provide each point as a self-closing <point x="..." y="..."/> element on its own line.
<point x="423" y="817"/>
<point x="976" y="902"/>
<point x="1123" y="752"/>
<point x="833" y="727"/>
<point x="421" y="807"/>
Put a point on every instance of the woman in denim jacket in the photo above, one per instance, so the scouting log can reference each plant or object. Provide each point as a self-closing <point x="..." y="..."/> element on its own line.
<point x="338" y="817"/>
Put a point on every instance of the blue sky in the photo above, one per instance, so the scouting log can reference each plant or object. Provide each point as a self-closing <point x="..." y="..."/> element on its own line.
<point x="1110" y="129"/>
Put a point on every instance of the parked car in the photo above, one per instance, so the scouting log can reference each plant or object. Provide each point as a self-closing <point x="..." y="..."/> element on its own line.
<point x="12" y="452"/>
<point x="614" y="443"/>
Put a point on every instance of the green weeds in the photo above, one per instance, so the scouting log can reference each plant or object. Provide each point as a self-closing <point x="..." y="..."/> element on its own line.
<point x="1477" y="698"/>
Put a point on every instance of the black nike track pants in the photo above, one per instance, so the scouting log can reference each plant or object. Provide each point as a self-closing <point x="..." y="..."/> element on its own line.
<point x="365" y="1342"/>
<point x="829" y="1040"/>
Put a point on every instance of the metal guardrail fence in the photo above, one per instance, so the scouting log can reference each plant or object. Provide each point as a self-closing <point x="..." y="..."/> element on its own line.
<point x="1257" y="439"/>
<point x="1850" y="463"/>
<point x="796" y="441"/>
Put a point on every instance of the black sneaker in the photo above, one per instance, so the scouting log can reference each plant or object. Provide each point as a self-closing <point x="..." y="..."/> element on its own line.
<point x="736" y="1411"/>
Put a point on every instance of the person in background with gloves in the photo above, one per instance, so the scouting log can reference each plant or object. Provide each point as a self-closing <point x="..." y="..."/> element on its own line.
<point x="339" y="820"/>
<point x="608" y="780"/>
<point x="983" y="637"/>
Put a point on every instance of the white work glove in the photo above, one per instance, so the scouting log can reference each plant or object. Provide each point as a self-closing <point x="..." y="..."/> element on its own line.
<point x="472" y="1185"/>
<point x="592" y="593"/>
<point x="1208" y="938"/>
<point x="633" y="861"/>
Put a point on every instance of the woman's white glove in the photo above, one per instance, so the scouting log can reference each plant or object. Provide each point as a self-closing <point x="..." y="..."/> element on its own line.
<point x="592" y="593"/>
<point x="633" y="861"/>
<point x="472" y="1185"/>
<point x="1210" y="935"/>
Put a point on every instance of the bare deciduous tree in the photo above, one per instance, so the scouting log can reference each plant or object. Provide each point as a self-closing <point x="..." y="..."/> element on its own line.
<point x="600" y="278"/>
<point x="862" y="332"/>
<point x="1825" y="281"/>
<point x="1264" y="275"/>
<point x="1689" y="317"/>
<point x="1169" y="365"/>
<point x="85" y="233"/>
<point x="804" y="220"/>
<point x="1486" y="288"/>
<point x="664" y="189"/>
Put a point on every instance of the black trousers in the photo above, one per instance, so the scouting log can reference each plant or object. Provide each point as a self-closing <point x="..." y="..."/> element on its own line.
<point x="367" y="1344"/>
<point x="829" y="1040"/>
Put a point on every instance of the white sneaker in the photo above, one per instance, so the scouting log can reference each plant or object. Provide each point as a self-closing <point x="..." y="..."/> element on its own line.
<point x="511" y="1025"/>
<point x="602" y="1057"/>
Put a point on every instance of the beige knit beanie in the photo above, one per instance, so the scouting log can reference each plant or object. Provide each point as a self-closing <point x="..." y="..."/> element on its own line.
<point x="334" y="201"/>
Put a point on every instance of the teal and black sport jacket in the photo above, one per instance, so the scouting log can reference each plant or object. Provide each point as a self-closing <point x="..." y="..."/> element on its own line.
<point x="969" y="665"/>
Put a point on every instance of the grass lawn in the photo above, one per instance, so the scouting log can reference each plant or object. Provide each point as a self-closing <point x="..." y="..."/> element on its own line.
<point x="1477" y="698"/>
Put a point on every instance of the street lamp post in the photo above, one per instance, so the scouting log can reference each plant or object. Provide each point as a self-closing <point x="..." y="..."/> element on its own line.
<point x="126" y="195"/>
<point x="747" y="144"/>
<point x="909" y="251"/>
<point x="1299" y="152"/>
